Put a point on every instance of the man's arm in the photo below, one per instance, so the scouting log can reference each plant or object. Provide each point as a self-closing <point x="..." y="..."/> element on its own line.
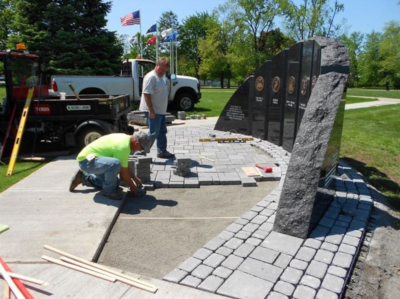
<point x="125" y="176"/>
<point x="147" y="98"/>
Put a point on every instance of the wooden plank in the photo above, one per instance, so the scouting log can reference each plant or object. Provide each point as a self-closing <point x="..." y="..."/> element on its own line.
<point x="124" y="280"/>
<point x="98" y="266"/>
<point x="61" y="263"/>
<point x="250" y="171"/>
<point x="17" y="293"/>
<point x="28" y="279"/>
<point x="202" y="157"/>
<point x="6" y="291"/>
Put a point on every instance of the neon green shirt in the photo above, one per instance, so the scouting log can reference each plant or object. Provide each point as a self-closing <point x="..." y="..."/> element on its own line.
<point x="115" y="145"/>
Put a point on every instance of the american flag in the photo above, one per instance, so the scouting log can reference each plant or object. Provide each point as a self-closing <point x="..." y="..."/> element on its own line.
<point x="132" y="18"/>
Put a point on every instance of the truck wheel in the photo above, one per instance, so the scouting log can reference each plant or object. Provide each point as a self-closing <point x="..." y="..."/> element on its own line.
<point x="184" y="102"/>
<point x="88" y="135"/>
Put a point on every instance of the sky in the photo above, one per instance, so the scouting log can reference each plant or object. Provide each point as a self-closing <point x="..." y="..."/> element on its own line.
<point x="362" y="15"/>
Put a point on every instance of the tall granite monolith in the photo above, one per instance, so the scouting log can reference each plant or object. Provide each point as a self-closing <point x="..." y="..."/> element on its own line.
<point x="311" y="163"/>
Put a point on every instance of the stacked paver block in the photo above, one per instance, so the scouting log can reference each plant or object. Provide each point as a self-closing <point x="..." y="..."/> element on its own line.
<point x="247" y="260"/>
<point x="140" y="167"/>
<point x="182" y="166"/>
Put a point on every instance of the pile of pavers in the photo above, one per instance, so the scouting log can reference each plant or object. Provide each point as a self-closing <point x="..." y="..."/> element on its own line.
<point x="140" y="167"/>
<point x="139" y="118"/>
<point x="182" y="166"/>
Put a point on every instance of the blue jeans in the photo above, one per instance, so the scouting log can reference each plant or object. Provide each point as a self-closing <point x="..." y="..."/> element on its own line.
<point x="101" y="172"/>
<point x="158" y="130"/>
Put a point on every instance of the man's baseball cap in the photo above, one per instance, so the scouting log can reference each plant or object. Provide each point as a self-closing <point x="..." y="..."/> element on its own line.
<point x="144" y="140"/>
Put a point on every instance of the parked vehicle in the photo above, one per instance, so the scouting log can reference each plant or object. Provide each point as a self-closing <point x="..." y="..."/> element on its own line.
<point x="70" y="122"/>
<point x="184" y="91"/>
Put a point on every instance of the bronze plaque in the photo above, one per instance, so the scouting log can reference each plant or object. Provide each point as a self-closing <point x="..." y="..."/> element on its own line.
<point x="276" y="84"/>
<point x="260" y="83"/>
<point x="292" y="85"/>
<point x="304" y="84"/>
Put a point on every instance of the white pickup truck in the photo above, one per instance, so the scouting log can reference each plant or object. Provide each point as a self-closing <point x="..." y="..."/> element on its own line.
<point x="184" y="91"/>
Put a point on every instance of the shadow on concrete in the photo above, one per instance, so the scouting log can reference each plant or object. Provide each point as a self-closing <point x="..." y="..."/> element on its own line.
<point x="134" y="205"/>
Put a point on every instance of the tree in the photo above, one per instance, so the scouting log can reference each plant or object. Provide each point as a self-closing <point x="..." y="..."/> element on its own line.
<point x="258" y="16"/>
<point x="389" y="52"/>
<point x="370" y="60"/>
<point x="192" y="30"/>
<point x="70" y="35"/>
<point x="354" y="44"/>
<point x="313" y="17"/>
<point x="8" y="11"/>
<point x="168" y="20"/>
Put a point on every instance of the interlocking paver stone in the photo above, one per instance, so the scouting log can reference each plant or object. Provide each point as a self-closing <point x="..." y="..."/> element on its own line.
<point x="211" y="283"/>
<point x="249" y="215"/>
<point x="304" y="292"/>
<point x="233" y="243"/>
<point x="202" y="271"/>
<point x="284" y="288"/>
<point x="260" y="269"/>
<point x="342" y="260"/>
<point x="215" y="243"/>
<point x="264" y="254"/>
<point x="313" y="243"/>
<point x="306" y="254"/>
<point x="224" y="251"/>
<point x="324" y="256"/>
<point x="244" y="235"/>
<point x="283" y="260"/>
<point x="191" y="281"/>
<point x="253" y="241"/>
<point x="267" y="227"/>
<point x="333" y="283"/>
<point x="267" y="212"/>
<point x="175" y="275"/>
<point x="317" y="269"/>
<point x="202" y="253"/>
<point x="329" y="246"/>
<point x="251" y="227"/>
<point x="214" y="260"/>
<point x="222" y="272"/>
<point x="274" y="295"/>
<point x="242" y="285"/>
<point x="291" y="275"/>
<point x="244" y="250"/>
<point x="259" y="219"/>
<point x="350" y="240"/>
<point x="347" y="249"/>
<point x="310" y="281"/>
<point x="298" y="264"/>
<point x="226" y="235"/>
<point x="232" y="262"/>
<point x="282" y="243"/>
<point x="337" y="271"/>
<point x="325" y="294"/>
<point x="190" y="264"/>
<point x="242" y="221"/>
<point x="234" y="227"/>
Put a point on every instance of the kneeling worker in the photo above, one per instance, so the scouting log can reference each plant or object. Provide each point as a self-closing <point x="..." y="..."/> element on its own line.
<point x="101" y="161"/>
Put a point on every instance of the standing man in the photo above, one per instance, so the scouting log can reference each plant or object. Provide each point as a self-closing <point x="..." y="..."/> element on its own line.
<point x="101" y="161"/>
<point x="154" y="101"/>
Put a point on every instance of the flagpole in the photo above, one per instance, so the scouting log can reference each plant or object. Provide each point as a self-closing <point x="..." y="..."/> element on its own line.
<point x="140" y="24"/>
<point x="176" y="58"/>
<point x="156" y="42"/>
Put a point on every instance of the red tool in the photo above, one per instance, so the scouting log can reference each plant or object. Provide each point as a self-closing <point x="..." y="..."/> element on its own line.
<point x="266" y="169"/>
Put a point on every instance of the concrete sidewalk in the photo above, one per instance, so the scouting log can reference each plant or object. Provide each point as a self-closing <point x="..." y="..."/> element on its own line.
<point x="379" y="102"/>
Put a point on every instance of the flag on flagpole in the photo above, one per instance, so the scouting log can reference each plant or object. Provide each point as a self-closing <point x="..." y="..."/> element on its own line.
<point x="133" y="40"/>
<point x="151" y="40"/>
<point x="152" y="29"/>
<point x="132" y="18"/>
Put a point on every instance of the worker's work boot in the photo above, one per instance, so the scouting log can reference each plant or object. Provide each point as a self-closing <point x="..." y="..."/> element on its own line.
<point x="76" y="180"/>
<point x="165" y="155"/>
<point x="116" y="195"/>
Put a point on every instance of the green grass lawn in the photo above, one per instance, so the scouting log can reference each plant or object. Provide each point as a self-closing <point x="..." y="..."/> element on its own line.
<point x="371" y="144"/>
<point x="21" y="170"/>
<point x="354" y="100"/>
<point x="393" y="94"/>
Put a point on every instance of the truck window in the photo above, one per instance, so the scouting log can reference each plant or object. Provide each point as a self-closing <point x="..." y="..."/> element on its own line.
<point x="126" y="70"/>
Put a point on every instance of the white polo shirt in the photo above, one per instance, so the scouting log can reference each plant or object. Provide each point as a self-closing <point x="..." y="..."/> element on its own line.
<point x="158" y="89"/>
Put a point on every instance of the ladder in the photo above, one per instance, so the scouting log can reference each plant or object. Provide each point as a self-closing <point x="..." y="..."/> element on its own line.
<point x="20" y="132"/>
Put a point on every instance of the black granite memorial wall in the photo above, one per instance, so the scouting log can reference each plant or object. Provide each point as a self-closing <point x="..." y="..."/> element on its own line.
<point x="259" y="103"/>
<point x="235" y="116"/>
<point x="294" y="68"/>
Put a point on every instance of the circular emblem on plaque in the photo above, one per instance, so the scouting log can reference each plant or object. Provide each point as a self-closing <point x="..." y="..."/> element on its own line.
<point x="276" y="84"/>
<point x="313" y="81"/>
<point x="304" y="84"/>
<point x="292" y="85"/>
<point x="260" y="83"/>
